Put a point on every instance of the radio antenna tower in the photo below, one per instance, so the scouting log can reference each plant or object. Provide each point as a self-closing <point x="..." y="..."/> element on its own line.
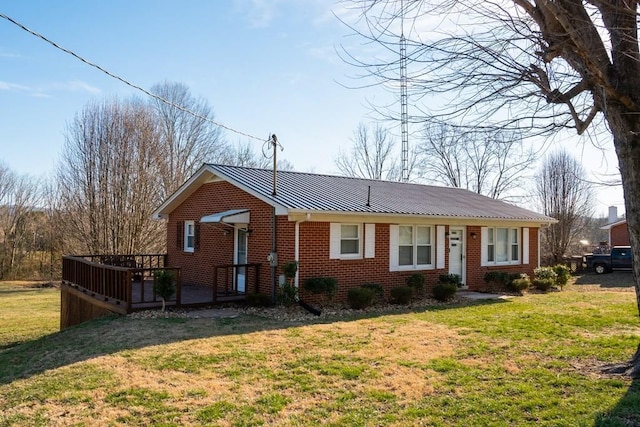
<point x="404" y="119"/>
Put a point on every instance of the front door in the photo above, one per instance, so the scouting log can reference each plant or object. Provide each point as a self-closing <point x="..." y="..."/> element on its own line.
<point x="240" y="257"/>
<point x="456" y="252"/>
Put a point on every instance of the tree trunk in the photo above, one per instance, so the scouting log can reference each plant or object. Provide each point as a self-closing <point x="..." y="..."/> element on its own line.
<point x="625" y="126"/>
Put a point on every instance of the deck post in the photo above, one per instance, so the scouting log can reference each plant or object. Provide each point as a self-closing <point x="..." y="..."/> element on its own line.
<point x="257" y="280"/>
<point x="129" y="290"/>
<point x="215" y="284"/>
<point x="178" y="288"/>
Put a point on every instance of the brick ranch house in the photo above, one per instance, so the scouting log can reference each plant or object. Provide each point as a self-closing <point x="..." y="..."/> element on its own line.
<point x="355" y="230"/>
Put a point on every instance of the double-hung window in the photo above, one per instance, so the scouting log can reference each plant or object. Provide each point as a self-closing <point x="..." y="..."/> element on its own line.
<point x="189" y="236"/>
<point x="411" y="247"/>
<point x="350" y="240"/>
<point x="501" y="245"/>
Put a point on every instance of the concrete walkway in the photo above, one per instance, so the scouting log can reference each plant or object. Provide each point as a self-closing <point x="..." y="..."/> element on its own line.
<point x="481" y="295"/>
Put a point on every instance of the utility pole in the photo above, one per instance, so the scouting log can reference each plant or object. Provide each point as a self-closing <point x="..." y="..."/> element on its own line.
<point x="274" y="143"/>
<point x="273" y="256"/>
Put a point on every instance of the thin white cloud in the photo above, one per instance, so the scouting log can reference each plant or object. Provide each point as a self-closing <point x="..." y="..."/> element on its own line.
<point x="13" y="87"/>
<point x="262" y="13"/>
<point x="45" y="91"/>
<point x="77" y="86"/>
<point x="259" y="13"/>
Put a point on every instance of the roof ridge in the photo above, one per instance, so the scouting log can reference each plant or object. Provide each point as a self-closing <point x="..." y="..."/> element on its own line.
<point x="345" y="177"/>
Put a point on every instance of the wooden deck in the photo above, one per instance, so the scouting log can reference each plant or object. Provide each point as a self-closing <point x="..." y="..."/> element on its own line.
<point x="192" y="296"/>
<point x="95" y="284"/>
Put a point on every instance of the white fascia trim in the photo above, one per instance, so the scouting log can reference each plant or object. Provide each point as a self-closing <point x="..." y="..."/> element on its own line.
<point x="382" y="218"/>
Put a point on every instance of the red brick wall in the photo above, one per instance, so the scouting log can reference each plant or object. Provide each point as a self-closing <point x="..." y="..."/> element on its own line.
<point x="315" y="262"/>
<point x="475" y="272"/>
<point x="620" y="235"/>
<point x="216" y="248"/>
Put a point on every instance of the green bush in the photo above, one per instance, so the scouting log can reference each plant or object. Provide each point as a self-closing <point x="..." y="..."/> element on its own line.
<point x="163" y="285"/>
<point x="416" y="282"/>
<point x="360" y="297"/>
<point x="322" y="285"/>
<point x="545" y="273"/>
<point x="290" y="269"/>
<point x="287" y="295"/>
<point x="563" y="273"/>
<point x="545" y="278"/>
<point x="543" y="284"/>
<point x="401" y="295"/>
<point x="444" y="291"/>
<point x="450" y="278"/>
<point x="258" y="300"/>
<point x="520" y="283"/>
<point x="377" y="289"/>
<point x="498" y="278"/>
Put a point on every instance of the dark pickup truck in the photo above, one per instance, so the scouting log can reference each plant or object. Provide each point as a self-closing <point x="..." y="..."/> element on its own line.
<point x="618" y="259"/>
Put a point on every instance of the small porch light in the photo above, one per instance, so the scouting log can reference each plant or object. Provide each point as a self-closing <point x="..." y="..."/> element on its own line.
<point x="473" y="235"/>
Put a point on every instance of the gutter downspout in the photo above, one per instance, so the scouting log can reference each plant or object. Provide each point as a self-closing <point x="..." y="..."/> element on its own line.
<point x="296" y="255"/>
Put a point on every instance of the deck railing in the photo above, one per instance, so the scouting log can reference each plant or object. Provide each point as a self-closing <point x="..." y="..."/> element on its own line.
<point x="227" y="278"/>
<point x="111" y="278"/>
<point x="129" y="260"/>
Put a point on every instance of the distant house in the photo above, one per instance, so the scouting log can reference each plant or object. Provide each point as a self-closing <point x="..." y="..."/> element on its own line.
<point x="356" y="230"/>
<point x="617" y="229"/>
<point x="618" y="233"/>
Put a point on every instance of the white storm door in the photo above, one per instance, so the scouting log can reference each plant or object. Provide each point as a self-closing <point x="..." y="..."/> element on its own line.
<point x="240" y="257"/>
<point x="456" y="252"/>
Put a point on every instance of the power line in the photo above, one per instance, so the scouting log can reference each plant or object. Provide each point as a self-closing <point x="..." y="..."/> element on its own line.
<point x="141" y="89"/>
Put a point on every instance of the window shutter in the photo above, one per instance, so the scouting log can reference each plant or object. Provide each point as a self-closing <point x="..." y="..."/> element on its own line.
<point x="525" y="245"/>
<point x="334" y="240"/>
<point x="196" y="236"/>
<point x="484" y="238"/>
<point x="440" y="245"/>
<point x="394" y="233"/>
<point x="180" y="235"/>
<point x="369" y="240"/>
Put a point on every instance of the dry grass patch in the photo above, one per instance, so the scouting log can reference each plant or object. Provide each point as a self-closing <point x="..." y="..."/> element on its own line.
<point x="529" y="361"/>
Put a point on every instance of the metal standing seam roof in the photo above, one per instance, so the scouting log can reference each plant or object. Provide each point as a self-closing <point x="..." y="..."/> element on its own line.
<point x="317" y="192"/>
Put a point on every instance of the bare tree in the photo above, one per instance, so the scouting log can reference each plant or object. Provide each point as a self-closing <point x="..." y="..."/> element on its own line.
<point x="370" y="155"/>
<point x="19" y="200"/>
<point x="535" y="65"/>
<point x="246" y="155"/>
<point x="562" y="193"/>
<point x="109" y="181"/>
<point x="186" y="140"/>
<point x="492" y="163"/>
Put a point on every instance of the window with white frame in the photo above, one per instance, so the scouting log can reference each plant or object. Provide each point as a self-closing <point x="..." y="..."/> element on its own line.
<point x="189" y="236"/>
<point x="501" y="245"/>
<point x="347" y="241"/>
<point x="350" y="240"/>
<point x="411" y="247"/>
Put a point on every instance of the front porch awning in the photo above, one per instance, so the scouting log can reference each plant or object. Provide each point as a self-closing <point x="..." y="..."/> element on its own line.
<point x="234" y="216"/>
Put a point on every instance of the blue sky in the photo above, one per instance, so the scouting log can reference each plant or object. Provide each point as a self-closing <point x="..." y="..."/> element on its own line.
<point x="264" y="66"/>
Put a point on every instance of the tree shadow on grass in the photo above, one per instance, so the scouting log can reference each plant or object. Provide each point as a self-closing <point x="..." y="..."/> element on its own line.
<point x="618" y="279"/>
<point x="626" y="412"/>
<point x="112" y="334"/>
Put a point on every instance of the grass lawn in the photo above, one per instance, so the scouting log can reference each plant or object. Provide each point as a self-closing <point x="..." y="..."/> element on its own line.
<point x="531" y="360"/>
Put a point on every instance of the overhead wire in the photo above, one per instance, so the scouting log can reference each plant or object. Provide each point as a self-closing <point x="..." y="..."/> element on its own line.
<point x="141" y="89"/>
